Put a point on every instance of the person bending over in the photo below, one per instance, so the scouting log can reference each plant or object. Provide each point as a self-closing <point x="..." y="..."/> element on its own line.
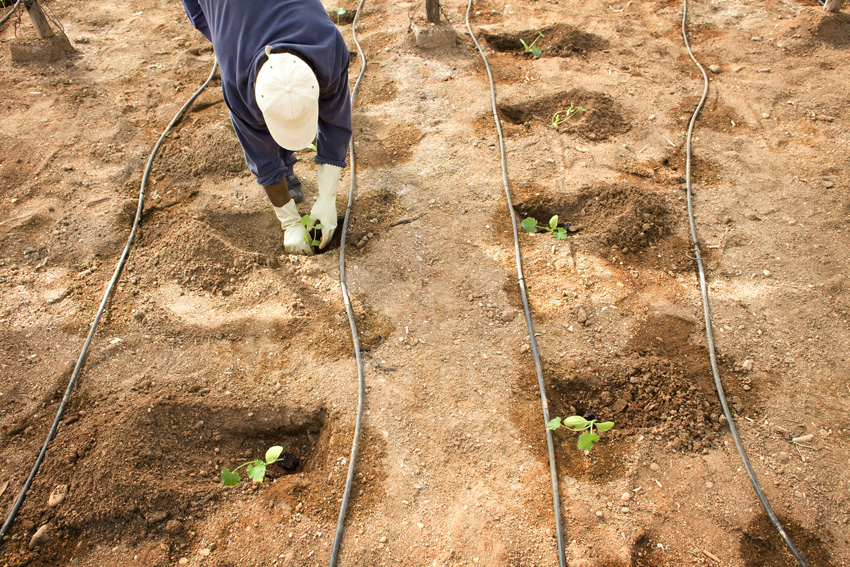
<point x="284" y="77"/>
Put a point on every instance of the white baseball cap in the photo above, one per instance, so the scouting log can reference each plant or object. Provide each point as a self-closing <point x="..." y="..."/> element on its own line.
<point x="287" y="93"/>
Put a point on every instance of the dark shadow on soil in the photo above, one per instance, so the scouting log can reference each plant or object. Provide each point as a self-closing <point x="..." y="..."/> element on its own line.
<point x="558" y="40"/>
<point x="155" y="469"/>
<point x="601" y="119"/>
<point x="761" y="545"/>
<point x="626" y="217"/>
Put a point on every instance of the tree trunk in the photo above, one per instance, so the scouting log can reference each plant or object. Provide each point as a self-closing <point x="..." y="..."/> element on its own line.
<point x="39" y="20"/>
<point x="433" y="9"/>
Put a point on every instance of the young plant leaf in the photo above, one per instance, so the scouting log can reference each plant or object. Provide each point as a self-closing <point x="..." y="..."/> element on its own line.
<point x="604" y="426"/>
<point x="554" y="424"/>
<point x="529" y="224"/>
<point x="586" y="441"/>
<point x="553" y="222"/>
<point x="273" y="453"/>
<point x="560" y="234"/>
<point x="535" y="51"/>
<point x="576" y="422"/>
<point x="256" y="471"/>
<point x="306" y="221"/>
<point x="229" y="478"/>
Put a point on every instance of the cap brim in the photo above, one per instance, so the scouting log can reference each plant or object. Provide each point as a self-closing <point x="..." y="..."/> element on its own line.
<point x="296" y="134"/>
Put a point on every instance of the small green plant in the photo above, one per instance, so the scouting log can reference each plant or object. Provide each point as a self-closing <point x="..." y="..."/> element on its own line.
<point x="532" y="48"/>
<point x="310" y="235"/>
<point x="339" y="12"/>
<point x="255" y="470"/>
<point x="559" y="232"/>
<point x="565" y="115"/>
<point x="589" y="438"/>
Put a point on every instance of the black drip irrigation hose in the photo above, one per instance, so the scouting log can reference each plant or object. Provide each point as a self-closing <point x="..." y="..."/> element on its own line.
<point x="12" y="11"/>
<point x="340" y="524"/>
<point x="707" y="314"/>
<point x="109" y="288"/>
<point x="553" y="471"/>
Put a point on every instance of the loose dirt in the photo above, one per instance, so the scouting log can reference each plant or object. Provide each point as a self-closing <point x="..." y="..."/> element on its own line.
<point x="217" y="345"/>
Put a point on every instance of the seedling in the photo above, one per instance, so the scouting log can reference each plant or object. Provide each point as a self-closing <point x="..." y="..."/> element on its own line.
<point x="559" y="232"/>
<point x="589" y="438"/>
<point x="532" y="48"/>
<point x="339" y="12"/>
<point x="255" y="470"/>
<point x="565" y="115"/>
<point x="310" y="235"/>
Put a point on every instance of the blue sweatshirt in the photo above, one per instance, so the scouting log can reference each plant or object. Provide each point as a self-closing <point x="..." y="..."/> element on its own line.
<point x="240" y="30"/>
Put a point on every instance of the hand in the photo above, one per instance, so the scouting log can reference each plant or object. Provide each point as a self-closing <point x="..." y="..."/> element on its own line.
<point x="324" y="211"/>
<point x="295" y="237"/>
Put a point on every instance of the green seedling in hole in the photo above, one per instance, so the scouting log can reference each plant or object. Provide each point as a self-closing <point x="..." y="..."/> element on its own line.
<point x="339" y="12"/>
<point x="533" y="49"/>
<point x="589" y="438"/>
<point x="255" y="470"/>
<point x="565" y="115"/>
<point x="310" y="235"/>
<point x="559" y="232"/>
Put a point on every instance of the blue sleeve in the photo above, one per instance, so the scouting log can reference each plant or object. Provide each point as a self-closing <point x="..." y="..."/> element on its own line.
<point x="196" y="16"/>
<point x="262" y="154"/>
<point x="335" y="117"/>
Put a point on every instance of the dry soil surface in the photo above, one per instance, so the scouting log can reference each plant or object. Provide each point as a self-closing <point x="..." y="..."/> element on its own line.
<point x="217" y="345"/>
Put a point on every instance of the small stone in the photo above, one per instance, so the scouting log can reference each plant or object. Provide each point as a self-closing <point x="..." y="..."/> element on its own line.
<point x="383" y="539"/>
<point x="624" y="509"/>
<point x="654" y="467"/>
<point x="204" y="552"/>
<point x="626" y="496"/>
<point x="420" y="525"/>
<point x="183" y="561"/>
<point x="709" y="484"/>
<point x="40" y="537"/>
<point x="600" y="514"/>
<point x="507" y="315"/>
<point x="765" y="115"/>
<point x="828" y="184"/>
<point x="156" y="517"/>
<point x="524" y="349"/>
<point x="798" y="494"/>
<point x="715" y="69"/>
<point x="747" y="365"/>
<point x="747" y="387"/>
<point x="173" y="527"/>
<point x="766" y="273"/>
<point x="57" y="495"/>
<point x="581" y="317"/>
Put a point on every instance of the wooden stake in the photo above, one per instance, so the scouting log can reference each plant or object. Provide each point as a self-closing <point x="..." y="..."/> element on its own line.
<point x="39" y="20"/>
<point x="433" y="9"/>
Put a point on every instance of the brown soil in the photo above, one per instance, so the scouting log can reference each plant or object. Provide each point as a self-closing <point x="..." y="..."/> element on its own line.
<point x="217" y="345"/>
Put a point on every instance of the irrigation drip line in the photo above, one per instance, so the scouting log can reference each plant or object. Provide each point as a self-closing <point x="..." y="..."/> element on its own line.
<point x="340" y="524"/>
<point x="109" y="288"/>
<point x="553" y="471"/>
<point x="705" y="307"/>
<point x="12" y="11"/>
